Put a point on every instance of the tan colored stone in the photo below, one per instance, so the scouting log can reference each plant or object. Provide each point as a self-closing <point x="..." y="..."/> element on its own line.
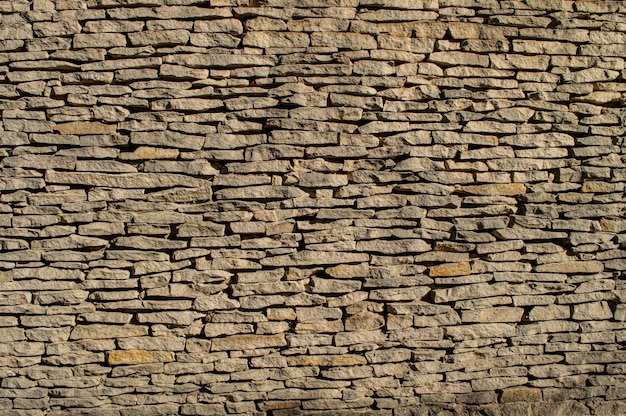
<point x="477" y="331"/>
<point x="590" y="266"/>
<point x="309" y="258"/>
<point x="591" y="75"/>
<point x="359" y="337"/>
<point x="159" y="37"/>
<point x="592" y="311"/>
<point x="520" y="394"/>
<point x="451" y="269"/>
<point x="319" y="327"/>
<point x="511" y="61"/>
<point x="200" y="60"/>
<point x="602" y="187"/>
<point x="326" y="360"/>
<point x="14" y="26"/>
<point x="149" y="153"/>
<point x="276" y="40"/>
<point x="85" y="127"/>
<point x="365" y="322"/>
<point x="70" y="242"/>
<point x="185" y="104"/>
<point x="497" y="383"/>
<point x="517" y="114"/>
<point x="609" y="224"/>
<point x="344" y="271"/>
<point x="168" y="139"/>
<point x="248" y="342"/>
<point x="354" y="41"/>
<point x="126" y="357"/>
<point x="480" y="31"/>
<point x="505" y="189"/>
<point x="231" y="26"/>
<point x="394" y="246"/>
<point x="419" y="45"/>
<point x="473" y="291"/>
<point x="549" y="313"/>
<point x="101" y="331"/>
<point x="260" y="192"/>
<point x="399" y="294"/>
<point x="497" y="314"/>
<point x="458" y="58"/>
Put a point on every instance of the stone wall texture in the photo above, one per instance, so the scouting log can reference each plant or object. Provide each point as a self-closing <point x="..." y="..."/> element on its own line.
<point x="337" y="207"/>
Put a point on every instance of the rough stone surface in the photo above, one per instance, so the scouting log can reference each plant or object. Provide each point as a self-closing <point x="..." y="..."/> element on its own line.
<point x="312" y="207"/>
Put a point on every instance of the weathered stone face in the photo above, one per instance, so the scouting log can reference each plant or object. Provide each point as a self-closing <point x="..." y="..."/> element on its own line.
<point x="280" y="207"/>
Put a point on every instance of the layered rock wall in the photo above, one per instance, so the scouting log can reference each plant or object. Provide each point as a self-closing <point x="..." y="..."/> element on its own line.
<point x="291" y="207"/>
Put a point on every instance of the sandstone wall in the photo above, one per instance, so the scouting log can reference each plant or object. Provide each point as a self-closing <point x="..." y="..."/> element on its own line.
<point x="291" y="207"/>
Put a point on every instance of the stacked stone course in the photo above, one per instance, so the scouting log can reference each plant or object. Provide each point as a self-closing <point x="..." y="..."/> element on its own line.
<point x="339" y="207"/>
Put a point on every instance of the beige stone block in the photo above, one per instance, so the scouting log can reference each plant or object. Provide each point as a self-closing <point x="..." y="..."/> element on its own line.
<point x="248" y="342"/>
<point x="590" y="266"/>
<point x="126" y="357"/>
<point x="451" y="269"/>
<point x="85" y="127"/>
<point x="326" y="360"/>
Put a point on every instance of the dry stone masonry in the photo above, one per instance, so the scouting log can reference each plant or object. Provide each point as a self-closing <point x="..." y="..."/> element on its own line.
<point x="337" y="207"/>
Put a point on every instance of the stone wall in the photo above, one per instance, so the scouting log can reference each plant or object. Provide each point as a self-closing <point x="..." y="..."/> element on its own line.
<point x="283" y="207"/>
